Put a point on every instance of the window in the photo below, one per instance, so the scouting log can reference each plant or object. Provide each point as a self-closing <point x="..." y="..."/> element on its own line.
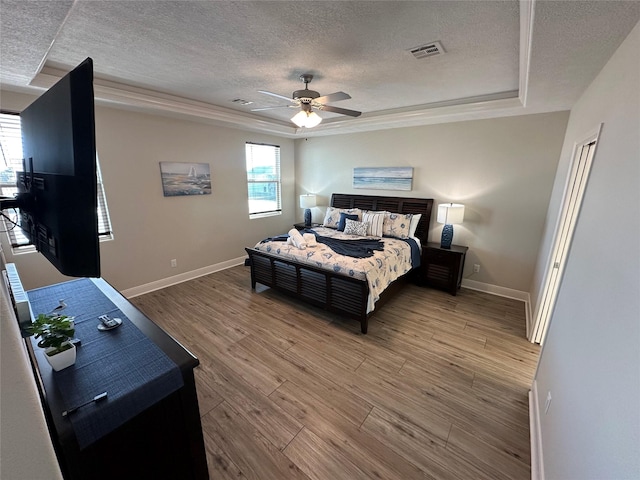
<point x="263" y="180"/>
<point x="11" y="163"/>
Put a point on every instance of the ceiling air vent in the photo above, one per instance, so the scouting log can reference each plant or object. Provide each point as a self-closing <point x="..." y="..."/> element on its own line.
<point x="428" y="50"/>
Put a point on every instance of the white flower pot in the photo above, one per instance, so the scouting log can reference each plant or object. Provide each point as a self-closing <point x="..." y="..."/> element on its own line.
<point x="61" y="360"/>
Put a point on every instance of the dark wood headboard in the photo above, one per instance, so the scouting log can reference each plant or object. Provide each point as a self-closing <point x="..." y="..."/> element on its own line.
<point x="390" y="204"/>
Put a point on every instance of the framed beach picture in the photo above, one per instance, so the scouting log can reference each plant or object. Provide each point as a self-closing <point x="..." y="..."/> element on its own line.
<point x="383" y="178"/>
<point x="185" y="179"/>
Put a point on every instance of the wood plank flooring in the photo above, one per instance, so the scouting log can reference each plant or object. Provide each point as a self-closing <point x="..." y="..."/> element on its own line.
<point x="436" y="390"/>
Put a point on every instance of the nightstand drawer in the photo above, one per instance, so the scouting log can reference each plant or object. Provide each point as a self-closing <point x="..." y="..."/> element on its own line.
<point x="437" y="257"/>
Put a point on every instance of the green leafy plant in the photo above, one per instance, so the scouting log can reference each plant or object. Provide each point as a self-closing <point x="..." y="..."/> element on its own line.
<point x="53" y="330"/>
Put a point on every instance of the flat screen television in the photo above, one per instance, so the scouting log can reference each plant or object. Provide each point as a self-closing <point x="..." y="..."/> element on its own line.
<point x="57" y="191"/>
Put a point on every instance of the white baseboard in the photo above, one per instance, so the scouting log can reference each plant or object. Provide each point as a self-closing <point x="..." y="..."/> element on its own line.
<point x="535" y="433"/>
<point x="502" y="292"/>
<point x="183" y="277"/>
<point x="495" y="290"/>
<point x="529" y="316"/>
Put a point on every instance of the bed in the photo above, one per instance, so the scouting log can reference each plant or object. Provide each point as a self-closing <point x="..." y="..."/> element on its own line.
<point x="338" y="292"/>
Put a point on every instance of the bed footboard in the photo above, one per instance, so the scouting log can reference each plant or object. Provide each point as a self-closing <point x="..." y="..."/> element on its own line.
<point x="336" y="293"/>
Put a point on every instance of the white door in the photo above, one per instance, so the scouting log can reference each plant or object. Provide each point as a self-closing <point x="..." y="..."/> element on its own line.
<point x="574" y="191"/>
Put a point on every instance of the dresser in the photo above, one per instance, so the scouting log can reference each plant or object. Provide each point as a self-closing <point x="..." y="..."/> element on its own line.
<point x="164" y="440"/>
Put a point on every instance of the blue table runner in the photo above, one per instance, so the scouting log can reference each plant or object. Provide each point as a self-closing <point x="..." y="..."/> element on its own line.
<point x="124" y="362"/>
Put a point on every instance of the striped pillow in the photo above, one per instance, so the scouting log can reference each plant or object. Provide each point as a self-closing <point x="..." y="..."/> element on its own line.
<point x="375" y="221"/>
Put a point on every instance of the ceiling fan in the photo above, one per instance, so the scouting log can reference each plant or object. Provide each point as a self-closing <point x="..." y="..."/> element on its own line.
<point x="308" y="100"/>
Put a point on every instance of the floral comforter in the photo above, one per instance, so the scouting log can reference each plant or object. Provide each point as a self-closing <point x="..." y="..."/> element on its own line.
<point x="380" y="270"/>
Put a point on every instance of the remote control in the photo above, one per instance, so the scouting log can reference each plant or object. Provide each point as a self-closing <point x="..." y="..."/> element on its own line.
<point x="108" y="322"/>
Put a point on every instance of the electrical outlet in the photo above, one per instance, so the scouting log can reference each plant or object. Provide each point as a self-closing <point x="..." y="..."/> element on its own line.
<point x="547" y="402"/>
<point x="174" y="263"/>
<point x="476" y="268"/>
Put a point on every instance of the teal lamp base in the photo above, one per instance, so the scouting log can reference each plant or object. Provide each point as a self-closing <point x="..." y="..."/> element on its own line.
<point x="447" y="236"/>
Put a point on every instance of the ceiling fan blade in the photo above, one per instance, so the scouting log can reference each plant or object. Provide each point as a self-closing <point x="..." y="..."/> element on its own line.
<point x="343" y="111"/>
<point x="271" y="108"/>
<point x="276" y="95"/>
<point x="333" y="97"/>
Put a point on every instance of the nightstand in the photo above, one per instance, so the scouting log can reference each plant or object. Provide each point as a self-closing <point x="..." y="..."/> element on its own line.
<point x="441" y="267"/>
<point x="300" y="226"/>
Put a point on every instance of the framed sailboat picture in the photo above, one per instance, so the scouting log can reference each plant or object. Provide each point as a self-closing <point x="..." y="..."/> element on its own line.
<point x="185" y="179"/>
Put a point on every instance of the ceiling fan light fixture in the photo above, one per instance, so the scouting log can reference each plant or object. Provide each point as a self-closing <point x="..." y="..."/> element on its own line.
<point x="306" y="119"/>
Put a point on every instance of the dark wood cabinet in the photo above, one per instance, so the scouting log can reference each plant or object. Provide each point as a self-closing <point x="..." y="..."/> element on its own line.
<point x="442" y="268"/>
<point x="164" y="441"/>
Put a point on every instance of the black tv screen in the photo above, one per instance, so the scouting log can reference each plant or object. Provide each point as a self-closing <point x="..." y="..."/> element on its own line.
<point x="57" y="192"/>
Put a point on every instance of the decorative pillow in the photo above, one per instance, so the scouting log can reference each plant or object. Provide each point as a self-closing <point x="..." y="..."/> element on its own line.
<point x="332" y="217"/>
<point x="397" y="225"/>
<point x="343" y="217"/>
<point x="375" y="221"/>
<point x="353" y="227"/>
<point x="415" y="219"/>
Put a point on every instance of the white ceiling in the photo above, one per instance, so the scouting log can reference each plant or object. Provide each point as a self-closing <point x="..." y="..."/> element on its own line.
<point x="193" y="58"/>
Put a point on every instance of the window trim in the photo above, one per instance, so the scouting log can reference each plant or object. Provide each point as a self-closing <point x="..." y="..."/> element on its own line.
<point x="277" y="181"/>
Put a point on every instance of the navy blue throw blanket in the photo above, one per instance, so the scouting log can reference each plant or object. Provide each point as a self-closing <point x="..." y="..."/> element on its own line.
<point x="359" y="248"/>
<point x="279" y="238"/>
<point x="415" y="252"/>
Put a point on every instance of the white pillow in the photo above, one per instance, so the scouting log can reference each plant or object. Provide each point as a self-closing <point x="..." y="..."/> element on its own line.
<point x="414" y="224"/>
<point x="375" y="221"/>
<point x="356" y="228"/>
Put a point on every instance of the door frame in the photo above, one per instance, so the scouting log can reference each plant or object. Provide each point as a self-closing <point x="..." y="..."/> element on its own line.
<point x="574" y="189"/>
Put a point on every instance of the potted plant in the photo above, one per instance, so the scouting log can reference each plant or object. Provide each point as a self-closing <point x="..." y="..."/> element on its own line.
<point x="55" y="332"/>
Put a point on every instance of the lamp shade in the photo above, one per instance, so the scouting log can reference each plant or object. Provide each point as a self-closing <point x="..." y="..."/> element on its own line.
<point x="306" y="119"/>
<point x="308" y="200"/>
<point x="450" y="213"/>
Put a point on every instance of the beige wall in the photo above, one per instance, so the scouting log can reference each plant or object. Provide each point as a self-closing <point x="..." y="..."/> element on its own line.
<point x="150" y="229"/>
<point x="501" y="169"/>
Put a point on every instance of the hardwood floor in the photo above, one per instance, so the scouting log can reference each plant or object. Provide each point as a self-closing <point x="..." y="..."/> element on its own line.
<point x="436" y="390"/>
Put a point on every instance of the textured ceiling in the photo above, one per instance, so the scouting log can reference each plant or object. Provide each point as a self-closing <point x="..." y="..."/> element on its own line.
<point x="208" y="53"/>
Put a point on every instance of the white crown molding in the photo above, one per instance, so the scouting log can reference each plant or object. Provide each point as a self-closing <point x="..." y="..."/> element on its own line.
<point x="527" y="9"/>
<point x="427" y="116"/>
<point x="124" y="96"/>
<point x="117" y="94"/>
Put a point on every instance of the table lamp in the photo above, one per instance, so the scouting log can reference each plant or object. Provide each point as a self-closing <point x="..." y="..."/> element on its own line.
<point x="449" y="214"/>
<point x="307" y="201"/>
